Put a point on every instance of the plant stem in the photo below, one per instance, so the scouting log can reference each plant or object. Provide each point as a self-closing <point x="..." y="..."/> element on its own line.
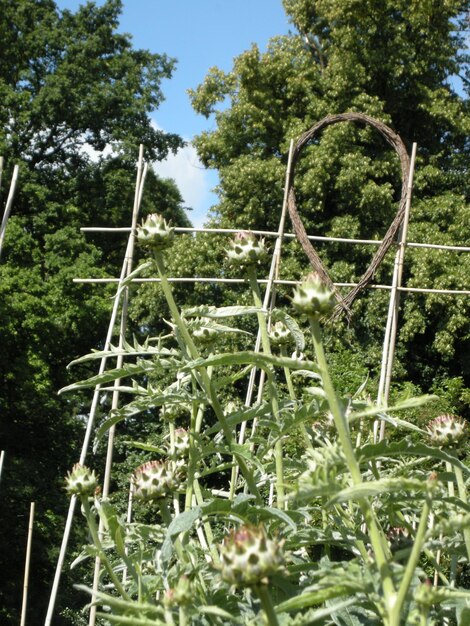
<point x="267" y="604"/>
<point x="377" y="538"/>
<point x="463" y="497"/>
<point x="99" y="546"/>
<point x="205" y="380"/>
<point x="412" y="563"/>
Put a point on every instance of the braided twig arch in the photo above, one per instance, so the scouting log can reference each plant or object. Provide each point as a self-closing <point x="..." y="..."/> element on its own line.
<point x="344" y="303"/>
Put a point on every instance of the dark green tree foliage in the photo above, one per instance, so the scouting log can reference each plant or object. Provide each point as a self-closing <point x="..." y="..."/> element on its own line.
<point x="69" y="84"/>
<point x="397" y="61"/>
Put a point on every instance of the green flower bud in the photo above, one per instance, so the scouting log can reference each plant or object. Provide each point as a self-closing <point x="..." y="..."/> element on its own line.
<point x="181" y="443"/>
<point x="154" y="480"/>
<point x="279" y="334"/>
<point x="246" y="250"/>
<point x="203" y="330"/>
<point x="181" y="595"/>
<point x="447" y="431"/>
<point x="81" y="481"/>
<point x="313" y="297"/>
<point x="248" y="557"/>
<point x="155" y="233"/>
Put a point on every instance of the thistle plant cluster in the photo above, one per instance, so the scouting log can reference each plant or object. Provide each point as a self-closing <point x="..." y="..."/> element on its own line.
<point x="255" y="513"/>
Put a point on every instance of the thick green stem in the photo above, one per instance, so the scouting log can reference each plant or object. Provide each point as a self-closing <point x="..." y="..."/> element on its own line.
<point x="266" y="602"/>
<point x="205" y="380"/>
<point x="290" y="388"/>
<point x="99" y="546"/>
<point x="413" y="561"/>
<point x="263" y="327"/>
<point x="377" y="538"/>
<point x="463" y="496"/>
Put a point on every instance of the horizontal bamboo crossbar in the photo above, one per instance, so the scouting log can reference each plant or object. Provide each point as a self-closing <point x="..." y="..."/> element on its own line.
<point x="267" y="233"/>
<point x="459" y="292"/>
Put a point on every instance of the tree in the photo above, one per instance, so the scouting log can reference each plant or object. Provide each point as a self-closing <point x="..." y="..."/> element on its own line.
<point x="396" y="61"/>
<point x="70" y="85"/>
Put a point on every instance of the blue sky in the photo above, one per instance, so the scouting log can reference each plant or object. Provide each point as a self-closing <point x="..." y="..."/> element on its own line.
<point x="199" y="34"/>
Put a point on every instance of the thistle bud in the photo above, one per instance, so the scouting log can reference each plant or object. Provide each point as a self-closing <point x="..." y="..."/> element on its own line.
<point x="246" y="250"/>
<point x="81" y="481"/>
<point x="180" y="595"/>
<point x="155" y="233"/>
<point x="181" y="443"/>
<point x="313" y="297"/>
<point x="279" y="334"/>
<point x="447" y="431"/>
<point x="154" y="480"/>
<point x="203" y="330"/>
<point x="248" y="557"/>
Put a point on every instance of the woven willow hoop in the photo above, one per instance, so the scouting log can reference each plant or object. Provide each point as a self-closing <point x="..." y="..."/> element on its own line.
<point x="344" y="303"/>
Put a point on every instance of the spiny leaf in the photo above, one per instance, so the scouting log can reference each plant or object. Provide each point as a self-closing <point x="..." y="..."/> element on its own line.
<point x="405" y="447"/>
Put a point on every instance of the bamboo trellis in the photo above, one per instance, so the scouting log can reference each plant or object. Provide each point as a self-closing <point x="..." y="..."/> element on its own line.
<point x="396" y="288"/>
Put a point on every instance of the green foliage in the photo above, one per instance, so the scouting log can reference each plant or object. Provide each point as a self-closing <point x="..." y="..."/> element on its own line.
<point x="70" y="85"/>
<point x="396" y="61"/>
<point x="305" y="519"/>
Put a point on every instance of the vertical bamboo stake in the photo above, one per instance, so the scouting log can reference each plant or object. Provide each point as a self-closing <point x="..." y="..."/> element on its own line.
<point x="9" y="204"/>
<point x="26" y="567"/>
<point x="85" y="446"/>
<point x="389" y="344"/>
<point x="269" y="293"/>
<point x="2" y="164"/>
<point x="141" y="174"/>
<point x="2" y="458"/>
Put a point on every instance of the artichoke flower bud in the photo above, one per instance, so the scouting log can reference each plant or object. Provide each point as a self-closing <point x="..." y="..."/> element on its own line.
<point x="246" y="250"/>
<point x="313" y="297"/>
<point x="279" y="334"/>
<point x="447" y="431"/>
<point x="155" y="233"/>
<point x="203" y="330"/>
<point x="154" y="480"/>
<point x="81" y="481"/>
<point x="248" y="557"/>
<point x="181" y="443"/>
<point x="180" y="595"/>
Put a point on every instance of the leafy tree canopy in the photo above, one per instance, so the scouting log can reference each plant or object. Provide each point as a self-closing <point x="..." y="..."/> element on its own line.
<point x="400" y="62"/>
<point x="70" y="86"/>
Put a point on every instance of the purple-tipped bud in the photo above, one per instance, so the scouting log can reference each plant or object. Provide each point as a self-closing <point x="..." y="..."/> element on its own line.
<point x="246" y="250"/>
<point x="154" y="480"/>
<point x="447" y="431"/>
<point x="81" y="481"/>
<point x="248" y="557"/>
<point x="313" y="297"/>
<point x="155" y="233"/>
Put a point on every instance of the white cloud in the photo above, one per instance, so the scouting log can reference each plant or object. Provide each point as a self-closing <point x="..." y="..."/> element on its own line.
<point x="192" y="179"/>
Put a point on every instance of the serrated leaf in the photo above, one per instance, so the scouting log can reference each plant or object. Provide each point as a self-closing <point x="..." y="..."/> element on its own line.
<point x="310" y="598"/>
<point x="131" y="369"/>
<point x="263" y="361"/>
<point x="378" y="487"/>
<point x="386" y="449"/>
<point x="226" y="311"/>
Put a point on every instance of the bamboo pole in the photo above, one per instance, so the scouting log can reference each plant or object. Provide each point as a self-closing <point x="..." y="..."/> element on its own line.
<point x="262" y="281"/>
<point x="268" y="302"/>
<point x="269" y="233"/>
<point x="9" y="204"/>
<point x="27" y="564"/>
<point x="2" y="165"/>
<point x="115" y="398"/>
<point x="2" y="458"/>
<point x="85" y="446"/>
<point x="389" y="344"/>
